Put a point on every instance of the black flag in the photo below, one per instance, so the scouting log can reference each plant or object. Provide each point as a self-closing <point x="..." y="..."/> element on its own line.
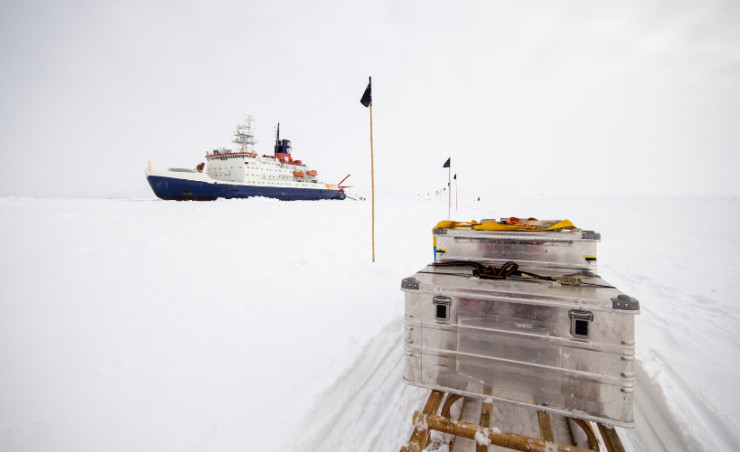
<point x="455" y="176"/>
<point x="367" y="96"/>
<point x="447" y="163"/>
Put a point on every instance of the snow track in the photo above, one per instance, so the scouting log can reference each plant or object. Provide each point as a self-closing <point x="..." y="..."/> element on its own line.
<point x="659" y="426"/>
<point x="369" y="407"/>
<point x="657" y="429"/>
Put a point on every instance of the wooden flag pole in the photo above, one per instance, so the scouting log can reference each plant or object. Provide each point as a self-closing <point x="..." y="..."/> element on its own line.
<point x="367" y="101"/>
<point x="456" y="192"/>
<point x="372" y="176"/>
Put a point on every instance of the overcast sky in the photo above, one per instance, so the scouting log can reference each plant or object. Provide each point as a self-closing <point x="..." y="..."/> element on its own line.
<point x="527" y="97"/>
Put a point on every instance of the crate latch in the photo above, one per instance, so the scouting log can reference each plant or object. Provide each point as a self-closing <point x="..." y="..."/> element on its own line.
<point x="410" y="283"/>
<point x="625" y="302"/>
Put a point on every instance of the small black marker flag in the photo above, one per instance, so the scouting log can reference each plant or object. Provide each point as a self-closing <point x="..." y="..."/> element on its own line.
<point x="447" y="163"/>
<point x="367" y="96"/>
<point x="455" y="177"/>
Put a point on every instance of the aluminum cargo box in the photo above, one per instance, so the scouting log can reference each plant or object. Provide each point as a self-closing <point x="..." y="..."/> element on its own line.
<point x="575" y="249"/>
<point x="565" y="349"/>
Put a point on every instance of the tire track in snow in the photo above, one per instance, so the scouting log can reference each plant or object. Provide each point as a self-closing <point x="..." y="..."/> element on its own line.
<point x="721" y="434"/>
<point x="655" y="428"/>
<point x="369" y="405"/>
<point x="672" y="409"/>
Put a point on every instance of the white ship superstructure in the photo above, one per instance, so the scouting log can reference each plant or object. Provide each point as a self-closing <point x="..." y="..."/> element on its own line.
<point x="244" y="173"/>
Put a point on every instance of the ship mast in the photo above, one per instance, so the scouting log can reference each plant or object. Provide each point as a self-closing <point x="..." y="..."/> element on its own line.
<point x="245" y="136"/>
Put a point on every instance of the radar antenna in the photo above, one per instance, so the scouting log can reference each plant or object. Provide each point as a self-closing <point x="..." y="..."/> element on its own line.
<point x="245" y="136"/>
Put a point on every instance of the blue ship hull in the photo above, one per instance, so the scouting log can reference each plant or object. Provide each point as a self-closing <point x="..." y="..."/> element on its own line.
<point x="171" y="188"/>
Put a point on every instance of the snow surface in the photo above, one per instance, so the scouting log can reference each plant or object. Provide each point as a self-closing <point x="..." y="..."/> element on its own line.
<point x="263" y="325"/>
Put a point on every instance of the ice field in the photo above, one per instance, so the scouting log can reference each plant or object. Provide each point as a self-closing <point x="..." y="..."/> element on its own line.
<point x="262" y="325"/>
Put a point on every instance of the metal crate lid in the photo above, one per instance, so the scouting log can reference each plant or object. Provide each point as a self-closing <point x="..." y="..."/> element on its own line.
<point x="593" y="293"/>
<point x="521" y="229"/>
<point x="563" y="235"/>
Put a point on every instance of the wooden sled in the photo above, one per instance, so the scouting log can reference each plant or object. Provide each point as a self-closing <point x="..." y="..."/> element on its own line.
<point x="554" y="432"/>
